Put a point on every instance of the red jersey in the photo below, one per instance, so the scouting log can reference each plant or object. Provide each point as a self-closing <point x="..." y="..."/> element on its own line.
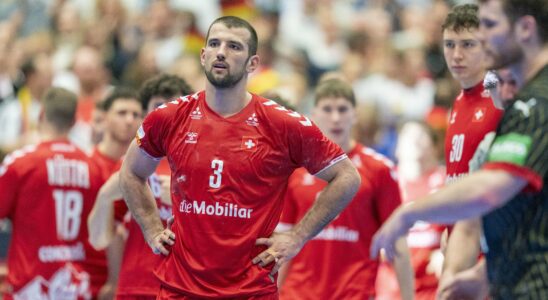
<point x="48" y="190"/>
<point x="336" y="263"/>
<point x="229" y="176"/>
<point x="423" y="239"/>
<point x="136" y="274"/>
<point x="97" y="259"/>
<point x="107" y="165"/>
<point x="473" y="117"/>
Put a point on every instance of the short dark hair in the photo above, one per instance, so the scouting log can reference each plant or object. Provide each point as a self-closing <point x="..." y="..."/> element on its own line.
<point x="462" y="17"/>
<point x="538" y="9"/>
<point x="163" y="85"/>
<point x="119" y="93"/>
<point x="334" y="87"/>
<point x="60" y="108"/>
<point x="232" y="21"/>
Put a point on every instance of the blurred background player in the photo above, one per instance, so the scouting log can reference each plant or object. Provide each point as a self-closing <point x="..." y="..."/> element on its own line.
<point x="48" y="190"/>
<point x="136" y="278"/>
<point x="419" y="173"/>
<point x="310" y="275"/>
<point x="122" y="113"/>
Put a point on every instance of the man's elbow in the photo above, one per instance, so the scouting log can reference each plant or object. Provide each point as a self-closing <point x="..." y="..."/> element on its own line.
<point x="353" y="180"/>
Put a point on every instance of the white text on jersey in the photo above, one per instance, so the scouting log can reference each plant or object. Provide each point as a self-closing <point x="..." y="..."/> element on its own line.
<point x="217" y="209"/>
<point x="67" y="172"/>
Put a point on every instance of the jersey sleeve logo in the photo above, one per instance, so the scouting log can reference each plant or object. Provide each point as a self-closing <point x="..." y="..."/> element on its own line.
<point x="249" y="143"/>
<point x="140" y="135"/>
<point x="512" y="148"/>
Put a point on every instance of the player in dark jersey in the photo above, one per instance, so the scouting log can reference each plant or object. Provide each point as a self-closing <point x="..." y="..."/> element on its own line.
<point x="48" y="190"/>
<point x="509" y="191"/>
<point x="231" y="154"/>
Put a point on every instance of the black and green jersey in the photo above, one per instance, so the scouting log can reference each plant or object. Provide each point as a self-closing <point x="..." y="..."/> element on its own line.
<point x="517" y="233"/>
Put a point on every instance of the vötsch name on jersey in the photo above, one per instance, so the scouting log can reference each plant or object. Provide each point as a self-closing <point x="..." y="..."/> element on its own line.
<point x="217" y="209"/>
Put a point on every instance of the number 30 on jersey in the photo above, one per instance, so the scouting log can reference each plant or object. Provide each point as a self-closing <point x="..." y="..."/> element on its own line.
<point x="457" y="144"/>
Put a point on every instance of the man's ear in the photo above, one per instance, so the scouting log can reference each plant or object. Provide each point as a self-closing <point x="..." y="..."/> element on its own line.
<point x="526" y="29"/>
<point x="252" y="63"/>
<point x="202" y="57"/>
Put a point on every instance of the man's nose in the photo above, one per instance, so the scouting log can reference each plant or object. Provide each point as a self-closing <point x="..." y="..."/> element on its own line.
<point x="221" y="52"/>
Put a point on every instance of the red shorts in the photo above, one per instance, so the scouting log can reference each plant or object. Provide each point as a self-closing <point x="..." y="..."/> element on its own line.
<point x="168" y="294"/>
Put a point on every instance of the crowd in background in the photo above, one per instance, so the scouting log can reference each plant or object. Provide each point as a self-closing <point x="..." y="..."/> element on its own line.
<point x="389" y="50"/>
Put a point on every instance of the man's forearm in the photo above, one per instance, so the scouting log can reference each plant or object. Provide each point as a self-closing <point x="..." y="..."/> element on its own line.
<point x="332" y="200"/>
<point x="140" y="202"/>
<point x="471" y="197"/>
<point x="457" y="256"/>
<point x="101" y="219"/>
<point x="404" y="270"/>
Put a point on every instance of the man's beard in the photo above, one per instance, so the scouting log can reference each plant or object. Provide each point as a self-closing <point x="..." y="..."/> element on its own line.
<point x="228" y="81"/>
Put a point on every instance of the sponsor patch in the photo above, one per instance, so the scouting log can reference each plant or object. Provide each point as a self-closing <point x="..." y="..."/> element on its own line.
<point x="512" y="148"/>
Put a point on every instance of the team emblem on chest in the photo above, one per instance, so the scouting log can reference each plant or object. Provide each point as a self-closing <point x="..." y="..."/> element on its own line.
<point x="249" y="143"/>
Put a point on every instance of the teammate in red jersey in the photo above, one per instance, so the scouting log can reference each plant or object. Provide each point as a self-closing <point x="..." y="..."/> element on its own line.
<point x="122" y="116"/>
<point x="336" y="264"/>
<point x="473" y="121"/>
<point x="47" y="191"/>
<point x="231" y="154"/>
<point x="136" y="278"/>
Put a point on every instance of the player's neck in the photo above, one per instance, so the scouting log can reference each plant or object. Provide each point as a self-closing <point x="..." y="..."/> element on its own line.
<point x="535" y="61"/>
<point x="229" y="101"/>
<point x="472" y="81"/>
<point x="112" y="148"/>
<point x="48" y="133"/>
<point x="348" y="145"/>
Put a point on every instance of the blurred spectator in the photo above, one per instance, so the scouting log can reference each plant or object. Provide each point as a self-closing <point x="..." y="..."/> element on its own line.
<point x="19" y="116"/>
<point x="92" y="79"/>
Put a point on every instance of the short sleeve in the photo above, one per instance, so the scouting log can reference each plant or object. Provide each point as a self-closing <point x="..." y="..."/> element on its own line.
<point x="520" y="146"/>
<point x="387" y="196"/>
<point x="9" y="181"/>
<point x="152" y="134"/>
<point x="309" y="148"/>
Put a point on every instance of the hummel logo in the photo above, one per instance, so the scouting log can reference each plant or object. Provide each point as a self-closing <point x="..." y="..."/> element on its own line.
<point x="191" y="138"/>
<point x="252" y="121"/>
<point x="196" y="114"/>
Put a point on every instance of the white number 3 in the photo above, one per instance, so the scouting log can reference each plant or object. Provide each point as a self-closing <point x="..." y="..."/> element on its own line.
<point x="215" y="179"/>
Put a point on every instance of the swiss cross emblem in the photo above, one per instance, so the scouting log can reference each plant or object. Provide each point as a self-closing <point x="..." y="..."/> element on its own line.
<point x="479" y="114"/>
<point x="249" y="143"/>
